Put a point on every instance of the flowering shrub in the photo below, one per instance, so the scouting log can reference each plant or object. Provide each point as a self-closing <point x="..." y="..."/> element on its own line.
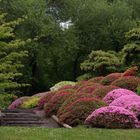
<point x="114" y="94"/>
<point x="88" y="87"/>
<point x="131" y="71"/>
<point x="72" y="99"/>
<point x="46" y="98"/>
<point x="129" y="102"/>
<point x="18" y="102"/>
<point x="52" y="106"/>
<point x="102" y="91"/>
<point x="61" y="84"/>
<point x="107" y="80"/>
<point x="96" y="79"/>
<point x="40" y="94"/>
<point x="81" y="84"/>
<point x="66" y="87"/>
<point x="112" y="117"/>
<point x="79" y="110"/>
<point x="128" y="82"/>
<point x="32" y="102"/>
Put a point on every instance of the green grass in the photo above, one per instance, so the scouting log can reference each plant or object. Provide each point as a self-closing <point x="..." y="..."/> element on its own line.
<point x="21" y="133"/>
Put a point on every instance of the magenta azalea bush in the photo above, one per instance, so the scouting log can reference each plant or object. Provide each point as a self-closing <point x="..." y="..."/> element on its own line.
<point x="114" y="94"/>
<point x="129" y="102"/>
<point x="112" y="117"/>
<point x="18" y="102"/>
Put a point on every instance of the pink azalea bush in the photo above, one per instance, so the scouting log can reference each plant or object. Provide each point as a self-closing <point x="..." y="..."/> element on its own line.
<point x="112" y="117"/>
<point x="116" y="93"/>
<point x="129" y="102"/>
<point x="18" y="102"/>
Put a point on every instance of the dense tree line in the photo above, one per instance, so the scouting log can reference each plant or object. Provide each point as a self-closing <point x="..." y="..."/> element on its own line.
<point x="54" y="52"/>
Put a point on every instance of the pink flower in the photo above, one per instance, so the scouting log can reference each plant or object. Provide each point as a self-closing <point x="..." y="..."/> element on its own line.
<point x="114" y="94"/>
<point x="112" y="117"/>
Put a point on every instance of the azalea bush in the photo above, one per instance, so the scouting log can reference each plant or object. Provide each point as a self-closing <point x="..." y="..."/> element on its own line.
<point x="102" y="91"/>
<point x="107" y="80"/>
<point x="129" y="102"/>
<point x="128" y="82"/>
<point x="6" y="99"/>
<point x="40" y="94"/>
<point x="74" y="97"/>
<point x="32" y="102"/>
<point x="52" y="106"/>
<point x="96" y="79"/>
<point x="88" y="88"/>
<point x="112" y="117"/>
<point x="79" y="110"/>
<point x="61" y="84"/>
<point x="85" y="86"/>
<point x="44" y="99"/>
<point x="18" y="102"/>
<point x="131" y="71"/>
<point x="116" y="93"/>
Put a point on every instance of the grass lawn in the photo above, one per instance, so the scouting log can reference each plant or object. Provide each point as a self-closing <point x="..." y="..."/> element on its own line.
<point x="22" y="133"/>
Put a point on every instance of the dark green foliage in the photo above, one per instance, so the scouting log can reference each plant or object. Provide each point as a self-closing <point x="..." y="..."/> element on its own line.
<point x="131" y="51"/>
<point x="100" y="62"/>
<point x="6" y="99"/>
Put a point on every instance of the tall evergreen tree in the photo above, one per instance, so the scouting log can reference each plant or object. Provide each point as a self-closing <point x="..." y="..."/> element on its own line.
<point x="10" y="56"/>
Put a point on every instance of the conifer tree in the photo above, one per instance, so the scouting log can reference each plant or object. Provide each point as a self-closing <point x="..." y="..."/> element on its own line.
<point x="11" y="54"/>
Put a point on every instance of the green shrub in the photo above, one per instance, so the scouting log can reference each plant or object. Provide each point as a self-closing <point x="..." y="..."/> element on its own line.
<point x="6" y="99"/>
<point x="30" y="103"/>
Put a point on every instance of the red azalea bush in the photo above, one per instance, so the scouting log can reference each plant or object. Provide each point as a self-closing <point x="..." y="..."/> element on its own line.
<point x="72" y="99"/>
<point x="128" y="82"/>
<point x="18" y="102"/>
<point x="112" y="117"/>
<point x="96" y="79"/>
<point x="81" y="84"/>
<point x="107" y="80"/>
<point x="46" y="98"/>
<point x="129" y="102"/>
<point x="131" y="71"/>
<point x="102" y="91"/>
<point x="78" y="111"/>
<point x="66" y="87"/>
<point x="52" y="106"/>
<point x="116" y="93"/>
<point x="89" y="87"/>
